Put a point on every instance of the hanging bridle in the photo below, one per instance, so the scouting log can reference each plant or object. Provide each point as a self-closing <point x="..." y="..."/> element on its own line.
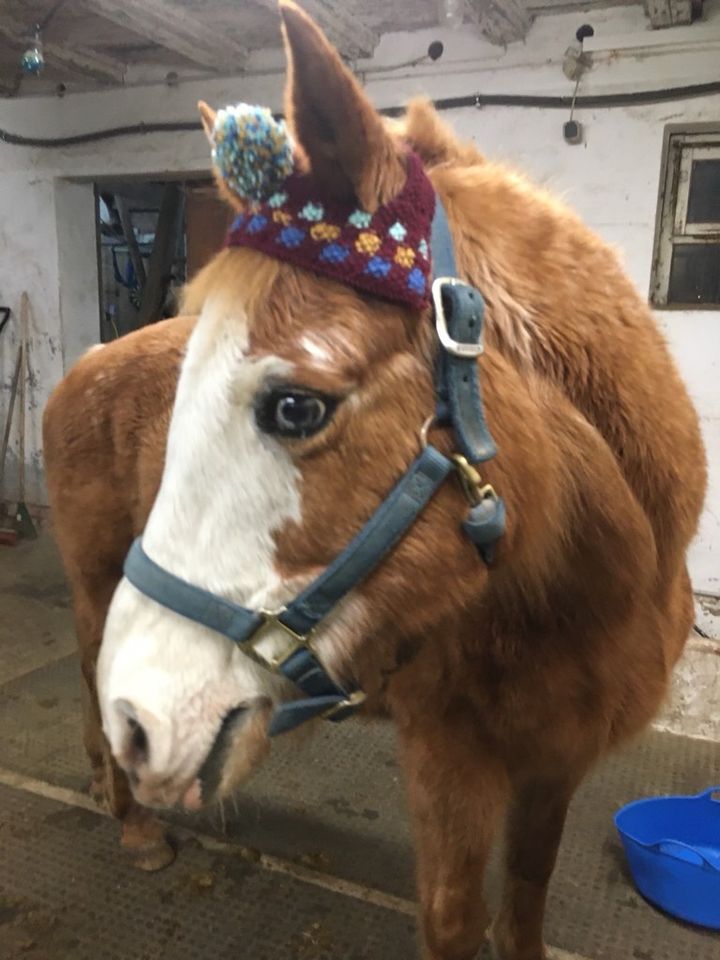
<point x="458" y="309"/>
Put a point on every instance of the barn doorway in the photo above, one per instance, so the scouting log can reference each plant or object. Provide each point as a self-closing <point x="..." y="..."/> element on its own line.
<point x="153" y="236"/>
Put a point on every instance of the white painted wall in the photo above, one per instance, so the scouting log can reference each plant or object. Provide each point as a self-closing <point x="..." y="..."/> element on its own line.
<point x="46" y="221"/>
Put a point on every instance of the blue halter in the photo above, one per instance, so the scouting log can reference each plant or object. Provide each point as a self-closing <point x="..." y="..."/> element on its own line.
<point x="459" y="317"/>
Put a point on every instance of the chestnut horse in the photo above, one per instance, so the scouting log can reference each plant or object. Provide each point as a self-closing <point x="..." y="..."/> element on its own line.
<point x="299" y="406"/>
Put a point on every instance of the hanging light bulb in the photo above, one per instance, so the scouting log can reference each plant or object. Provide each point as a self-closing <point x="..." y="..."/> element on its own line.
<point x="451" y="13"/>
<point x="32" y="61"/>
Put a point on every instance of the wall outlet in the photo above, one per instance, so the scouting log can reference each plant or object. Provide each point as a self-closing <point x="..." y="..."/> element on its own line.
<point x="572" y="132"/>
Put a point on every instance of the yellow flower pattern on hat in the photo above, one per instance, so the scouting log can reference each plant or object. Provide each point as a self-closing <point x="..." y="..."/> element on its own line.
<point x="367" y="242"/>
<point x="324" y="231"/>
<point x="405" y="256"/>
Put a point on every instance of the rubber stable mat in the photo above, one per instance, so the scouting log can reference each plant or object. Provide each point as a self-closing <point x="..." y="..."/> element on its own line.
<point x="65" y="895"/>
<point x="336" y="799"/>
<point x="36" y="624"/>
<point x="337" y="805"/>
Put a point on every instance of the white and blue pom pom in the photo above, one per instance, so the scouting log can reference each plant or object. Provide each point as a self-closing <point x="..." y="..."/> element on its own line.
<point x="252" y="150"/>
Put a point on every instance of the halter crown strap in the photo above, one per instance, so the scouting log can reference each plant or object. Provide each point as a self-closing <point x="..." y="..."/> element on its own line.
<point x="459" y="313"/>
<point x="459" y="310"/>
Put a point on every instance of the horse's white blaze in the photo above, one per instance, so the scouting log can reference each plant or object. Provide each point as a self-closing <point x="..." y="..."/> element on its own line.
<point x="225" y="491"/>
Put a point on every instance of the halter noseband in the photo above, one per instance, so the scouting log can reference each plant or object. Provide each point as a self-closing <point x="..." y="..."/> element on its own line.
<point x="458" y="318"/>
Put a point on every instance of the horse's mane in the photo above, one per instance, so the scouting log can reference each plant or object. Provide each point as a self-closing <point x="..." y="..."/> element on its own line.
<point x="511" y="326"/>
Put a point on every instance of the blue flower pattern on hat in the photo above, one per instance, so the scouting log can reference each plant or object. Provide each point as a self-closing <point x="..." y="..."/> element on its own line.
<point x="256" y="223"/>
<point x="334" y="253"/>
<point x="416" y="281"/>
<point x="292" y="236"/>
<point x="378" y="267"/>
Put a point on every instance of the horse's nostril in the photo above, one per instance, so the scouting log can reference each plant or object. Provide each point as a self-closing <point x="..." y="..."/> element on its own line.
<point x="137" y="745"/>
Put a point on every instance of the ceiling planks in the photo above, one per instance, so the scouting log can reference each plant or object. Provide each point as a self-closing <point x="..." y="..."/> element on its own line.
<point x="349" y="33"/>
<point x="89" y="43"/>
<point x="172" y="27"/>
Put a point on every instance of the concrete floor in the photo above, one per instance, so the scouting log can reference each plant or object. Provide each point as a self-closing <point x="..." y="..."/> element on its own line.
<point x="314" y="862"/>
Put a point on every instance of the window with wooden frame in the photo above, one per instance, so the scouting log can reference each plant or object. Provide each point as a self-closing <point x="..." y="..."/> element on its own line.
<point x="686" y="261"/>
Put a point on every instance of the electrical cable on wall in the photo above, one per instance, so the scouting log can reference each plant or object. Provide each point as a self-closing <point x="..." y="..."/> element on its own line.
<point x="476" y="100"/>
<point x="18" y="140"/>
<point x="575" y="65"/>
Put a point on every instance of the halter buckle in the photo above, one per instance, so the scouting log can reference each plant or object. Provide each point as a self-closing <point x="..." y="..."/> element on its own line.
<point x="272" y="619"/>
<point x="466" y="351"/>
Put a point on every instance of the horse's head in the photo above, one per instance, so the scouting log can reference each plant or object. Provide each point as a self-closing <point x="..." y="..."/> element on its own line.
<point x="299" y="406"/>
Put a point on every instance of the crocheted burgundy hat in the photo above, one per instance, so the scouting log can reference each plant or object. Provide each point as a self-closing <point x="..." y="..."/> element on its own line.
<point x="385" y="253"/>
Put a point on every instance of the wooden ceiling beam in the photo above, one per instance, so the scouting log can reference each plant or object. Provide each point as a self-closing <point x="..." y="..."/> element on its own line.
<point x="352" y="37"/>
<point x="669" y="13"/>
<point x="172" y="27"/>
<point x="74" y="58"/>
<point x="575" y="6"/>
<point x="501" y="21"/>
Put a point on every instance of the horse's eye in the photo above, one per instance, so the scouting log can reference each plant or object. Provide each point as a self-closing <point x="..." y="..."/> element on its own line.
<point x="293" y="413"/>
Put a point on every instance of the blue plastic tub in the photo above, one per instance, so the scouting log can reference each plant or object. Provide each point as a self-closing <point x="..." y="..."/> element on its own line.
<point x="673" y="849"/>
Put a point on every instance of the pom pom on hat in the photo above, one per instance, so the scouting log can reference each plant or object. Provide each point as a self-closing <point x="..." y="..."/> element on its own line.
<point x="252" y="150"/>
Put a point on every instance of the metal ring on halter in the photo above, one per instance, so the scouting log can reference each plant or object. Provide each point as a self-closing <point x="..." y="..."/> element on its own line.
<point x="425" y="430"/>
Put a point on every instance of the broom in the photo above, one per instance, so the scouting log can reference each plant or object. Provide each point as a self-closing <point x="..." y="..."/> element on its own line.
<point x="23" y="521"/>
<point x="8" y="535"/>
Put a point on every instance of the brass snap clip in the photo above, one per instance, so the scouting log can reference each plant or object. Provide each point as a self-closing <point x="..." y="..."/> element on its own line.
<point x="471" y="481"/>
<point x="352" y="701"/>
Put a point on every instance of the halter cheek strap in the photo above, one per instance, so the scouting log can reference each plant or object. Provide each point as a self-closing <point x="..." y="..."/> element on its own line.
<point x="458" y="317"/>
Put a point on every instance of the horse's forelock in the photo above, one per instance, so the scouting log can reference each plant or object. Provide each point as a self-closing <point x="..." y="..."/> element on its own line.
<point x="299" y="315"/>
<point x="242" y="277"/>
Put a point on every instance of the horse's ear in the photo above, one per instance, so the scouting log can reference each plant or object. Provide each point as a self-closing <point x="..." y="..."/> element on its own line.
<point x="207" y="115"/>
<point x="344" y="138"/>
